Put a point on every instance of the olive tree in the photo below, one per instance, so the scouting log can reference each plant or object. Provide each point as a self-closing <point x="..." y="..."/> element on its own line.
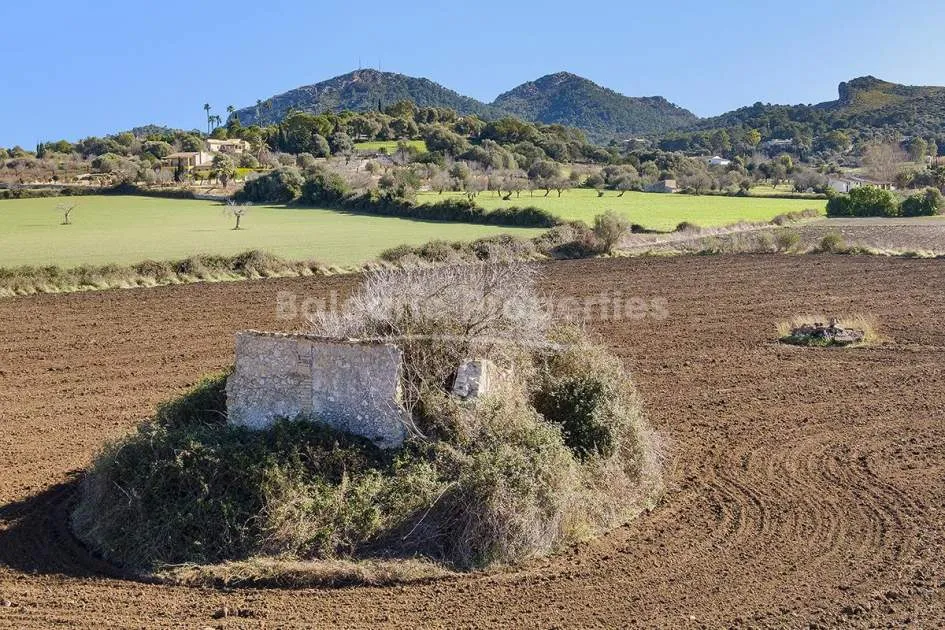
<point x="237" y="210"/>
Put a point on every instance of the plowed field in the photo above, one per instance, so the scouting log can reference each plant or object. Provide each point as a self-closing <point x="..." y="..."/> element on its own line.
<point x="807" y="486"/>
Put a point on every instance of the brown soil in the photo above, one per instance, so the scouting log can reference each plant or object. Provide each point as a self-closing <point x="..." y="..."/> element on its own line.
<point x="919" y="234"/>
<point x="807" y="485"/>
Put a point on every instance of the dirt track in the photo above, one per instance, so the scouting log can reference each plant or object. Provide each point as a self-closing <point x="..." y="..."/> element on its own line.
<point x="807" y="486"/>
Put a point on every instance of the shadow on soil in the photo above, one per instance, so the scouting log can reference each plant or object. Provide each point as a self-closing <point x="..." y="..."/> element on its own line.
<point x="35" y="536"/>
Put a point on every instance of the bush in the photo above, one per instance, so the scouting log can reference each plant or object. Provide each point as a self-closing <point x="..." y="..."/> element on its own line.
<point x="923" y="204"/>
<point x="397" y="254"/>
<point x="573" y="241"/>
<point x="584" y="390"/>
<point x="687" y="226"/>
<point x="794" y="215"/>
<point x="839" y="206"/>
<point x="833" y="243"/>
<point x="202" y="405"/>
<point x="502" y="247"/>
<point x="864" y="201"/>
<point x="206" y="494"/>
<point x="281" y="185"/>
<point x="459" y="210"/>
<point x="609" y="228"/>
<point x="324" y="187"/>
<point x="786" y="240"/>
<point x="248" y="160"/>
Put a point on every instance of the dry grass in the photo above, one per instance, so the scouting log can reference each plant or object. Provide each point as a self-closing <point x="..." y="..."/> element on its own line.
<point x="856" y="321"/>
<point x="29" y="280"/>
<point x="267" y="572"/>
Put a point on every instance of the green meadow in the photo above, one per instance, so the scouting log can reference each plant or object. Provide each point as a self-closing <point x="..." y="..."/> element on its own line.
<point x="113" y="229"/>
<point x="651" y="210"/>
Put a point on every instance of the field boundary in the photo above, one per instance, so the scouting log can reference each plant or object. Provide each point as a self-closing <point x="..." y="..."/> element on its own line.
<point x="745" y="238"/>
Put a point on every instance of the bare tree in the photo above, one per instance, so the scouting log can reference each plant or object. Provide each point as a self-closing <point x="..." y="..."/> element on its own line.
<point x="237" y="210"/>
<point x="882" y="160"/>
<point x="66" y="210"/>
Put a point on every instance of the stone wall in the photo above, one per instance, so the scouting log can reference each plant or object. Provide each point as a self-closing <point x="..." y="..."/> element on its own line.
<point x="352" y="386"/>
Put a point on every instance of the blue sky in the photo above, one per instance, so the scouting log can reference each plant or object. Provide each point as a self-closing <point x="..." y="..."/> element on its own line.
<point x="82" y="67"/>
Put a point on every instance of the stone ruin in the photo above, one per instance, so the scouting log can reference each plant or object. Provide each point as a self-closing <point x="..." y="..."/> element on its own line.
<point x="350" y="385"/>
<point x="829" y="334"/>
<point x="474" y="378"/>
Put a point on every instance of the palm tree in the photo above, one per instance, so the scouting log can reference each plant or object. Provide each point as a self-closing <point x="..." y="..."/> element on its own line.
<point x="258" y="105"/>
<point x="206" y="108"/>
<point x="230" y="110"/>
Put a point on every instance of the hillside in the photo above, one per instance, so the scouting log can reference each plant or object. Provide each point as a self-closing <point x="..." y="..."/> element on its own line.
<point x="359" y="91"/>
<point x="560" y="98"/>
<point x="603" y="114"/>
<point x="865" y="107"/>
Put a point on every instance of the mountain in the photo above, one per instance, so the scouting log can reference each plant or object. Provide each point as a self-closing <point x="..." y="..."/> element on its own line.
<point x="561" y="98"/>
<point x="865" y="107"/>
<point x="359" y="91"/>
<point x="869" y="94"/>
<point x="603" y="114"/>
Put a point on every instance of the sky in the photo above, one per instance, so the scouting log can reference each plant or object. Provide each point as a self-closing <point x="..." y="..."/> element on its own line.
<point x="91" y="67"/>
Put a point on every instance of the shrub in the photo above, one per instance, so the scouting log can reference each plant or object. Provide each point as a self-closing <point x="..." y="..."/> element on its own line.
<point x="204" y="404"/>
<point x="585" y="391"/>
<point x="864" y="201"/>
<point x="323" y="187"/>
<point x="786" y="240"/>
<point x="687" y="226"/>
<point x="159" y="271"/>
<point x="397" y="254"/>
<point x="839" y="206"/>
<point x="833" y="243"/>
<point x="921" y="204"/>
<point x="609" y="228"/>
<point x="255" y="262"/>
<point x="764" y="241"/>
<point x="436" y="251"/>
<point x="206" y="494"/>
<point x="456" y="305"/>
<point x="585" y="245"/>
<point x="502" y="247"/>
<point x="460" y="210"/>
<point x="281" y="185"/>
<point x="793" y="216"/>
<point x="248" y="160"/>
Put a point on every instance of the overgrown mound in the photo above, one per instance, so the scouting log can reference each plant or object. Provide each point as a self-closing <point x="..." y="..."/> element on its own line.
<point x="558" y="450"/>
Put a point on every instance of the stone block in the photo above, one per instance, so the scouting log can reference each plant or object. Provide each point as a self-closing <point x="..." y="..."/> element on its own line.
<point x="349" y="385"/>
<point x="474" y="378"/>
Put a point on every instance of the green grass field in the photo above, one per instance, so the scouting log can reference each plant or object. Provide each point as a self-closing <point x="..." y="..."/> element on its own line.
<point x="109" y="229"/>
<point x="652" y="210"/>
<point x="388" y="145"/>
